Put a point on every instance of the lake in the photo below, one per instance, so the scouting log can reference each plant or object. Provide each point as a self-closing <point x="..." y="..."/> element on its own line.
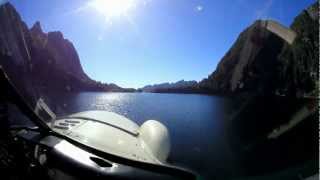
<point x="217" y="137"/>
<point x="195" y="122"/>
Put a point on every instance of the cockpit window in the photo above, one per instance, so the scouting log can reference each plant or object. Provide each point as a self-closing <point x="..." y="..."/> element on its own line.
<point x="227" y="89"/>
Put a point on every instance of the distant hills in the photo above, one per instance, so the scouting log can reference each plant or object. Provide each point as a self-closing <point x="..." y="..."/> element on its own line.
<point x="177" y="87"/>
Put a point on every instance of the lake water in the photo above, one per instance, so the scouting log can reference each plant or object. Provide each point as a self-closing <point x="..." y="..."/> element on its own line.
<point x="195" y="122"/>
<point x="217" y="137"/>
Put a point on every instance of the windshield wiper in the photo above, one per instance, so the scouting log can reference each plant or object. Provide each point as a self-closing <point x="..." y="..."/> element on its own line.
<point x="41" y="106"/>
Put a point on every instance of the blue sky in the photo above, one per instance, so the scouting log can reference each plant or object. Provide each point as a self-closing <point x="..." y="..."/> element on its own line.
<point x="156" y="40"/>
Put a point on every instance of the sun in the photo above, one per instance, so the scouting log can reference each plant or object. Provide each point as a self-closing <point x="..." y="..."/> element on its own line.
<point x="113" y="8"/>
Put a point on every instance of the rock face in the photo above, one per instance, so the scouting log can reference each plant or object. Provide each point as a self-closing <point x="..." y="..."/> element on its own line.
<point x="270" y="58"/>
<point x="299" y="68"/>
<point x="65" y="54"/>
<point x="14" y="47"/>
<point x="48" y="61"/>
<point x="14" y="35"/>
<point x="249" y="63"/>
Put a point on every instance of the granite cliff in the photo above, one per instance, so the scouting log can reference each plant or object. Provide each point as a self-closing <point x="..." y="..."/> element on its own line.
<point x="268" y="58"/>
<point x="250" y="63"/>
<point x="299" y="62"/>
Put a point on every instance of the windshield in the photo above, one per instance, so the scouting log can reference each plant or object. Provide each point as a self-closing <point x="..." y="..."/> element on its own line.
<point x="227" y="89"/>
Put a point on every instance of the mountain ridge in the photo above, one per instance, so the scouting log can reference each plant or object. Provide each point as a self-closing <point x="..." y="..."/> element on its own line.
<point x="33" y="57"/>
<point x="179" y="86"/>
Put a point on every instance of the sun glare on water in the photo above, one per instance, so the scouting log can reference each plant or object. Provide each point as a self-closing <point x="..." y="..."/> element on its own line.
<point x="113" y="8"/>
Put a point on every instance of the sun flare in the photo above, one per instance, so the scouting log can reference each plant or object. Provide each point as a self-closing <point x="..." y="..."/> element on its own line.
<point x="113" y="8"/>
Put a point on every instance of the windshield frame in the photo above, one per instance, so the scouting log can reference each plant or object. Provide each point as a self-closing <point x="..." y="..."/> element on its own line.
<point x="12" y="94"/>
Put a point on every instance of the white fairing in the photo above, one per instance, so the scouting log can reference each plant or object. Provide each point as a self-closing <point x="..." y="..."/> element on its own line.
<point x="115" y="134"/>
<point x="156" y="137"/>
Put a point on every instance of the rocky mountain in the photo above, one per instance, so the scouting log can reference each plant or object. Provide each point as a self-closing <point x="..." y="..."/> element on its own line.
<point x="48" y="61"/>
<point x="251" y="61"/>
<point x="61" y="49"/>
<point x="270" y="58"/>
<point x="180" y="86"/>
